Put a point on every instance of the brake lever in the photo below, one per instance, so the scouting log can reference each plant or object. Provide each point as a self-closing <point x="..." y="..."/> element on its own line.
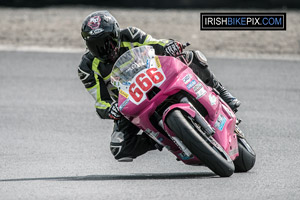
<point x="185" y="45"/>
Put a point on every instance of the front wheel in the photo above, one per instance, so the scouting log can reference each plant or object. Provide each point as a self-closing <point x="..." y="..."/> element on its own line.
<point x="205" y="149"/>
<point x="246" y="159"/>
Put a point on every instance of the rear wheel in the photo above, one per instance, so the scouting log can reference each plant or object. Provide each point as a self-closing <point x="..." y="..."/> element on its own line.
<point x="204" y="148"/>
<point x="246" y="159"/>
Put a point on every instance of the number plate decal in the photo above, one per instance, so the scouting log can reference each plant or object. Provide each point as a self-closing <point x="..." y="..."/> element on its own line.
<point x="143" y="82"/>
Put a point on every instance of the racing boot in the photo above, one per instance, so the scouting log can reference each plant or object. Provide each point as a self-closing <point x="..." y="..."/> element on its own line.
<point x="153" y="146"/>
<point x="233" y="102"/>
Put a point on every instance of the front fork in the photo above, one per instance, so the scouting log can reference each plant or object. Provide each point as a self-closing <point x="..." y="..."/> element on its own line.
<point x="241" y="138"/>
<point x="209" y="131"/>
<point x="186" y="106"/>
<point x="237" y="130"/>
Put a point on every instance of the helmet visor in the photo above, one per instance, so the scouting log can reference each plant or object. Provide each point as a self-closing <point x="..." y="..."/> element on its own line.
<point x="103" y="48"/>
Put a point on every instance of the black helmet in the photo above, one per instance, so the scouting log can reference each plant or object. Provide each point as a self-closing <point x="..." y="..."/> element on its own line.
<point x="101" y="32"/>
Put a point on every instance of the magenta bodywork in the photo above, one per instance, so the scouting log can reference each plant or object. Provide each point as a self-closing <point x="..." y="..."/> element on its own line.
<point x="180" y="77"/>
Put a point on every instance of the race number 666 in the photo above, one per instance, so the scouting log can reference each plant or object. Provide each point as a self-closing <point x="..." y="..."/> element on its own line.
<point x="143" y="82"/>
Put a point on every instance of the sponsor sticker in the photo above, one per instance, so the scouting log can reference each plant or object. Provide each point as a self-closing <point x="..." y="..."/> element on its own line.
<point x="148" y="64"/>
<point x="126" y="83"/>
<point x="96" y="31"/>
<point x="220" y="123"/>
<point x="212" y="99"/>
<point x="187" y="78"/>
<point x="115" y="81"/>
<point x="157" y="62"/>
<point x="154" y="136"/>
<point x="124" y="104"/>
<point x="124" y="94"/>
<point x="152" y="133"/>
<point x="191" y="84"/>
<point x="199" y="90"/>
<point x="197" y="87"/>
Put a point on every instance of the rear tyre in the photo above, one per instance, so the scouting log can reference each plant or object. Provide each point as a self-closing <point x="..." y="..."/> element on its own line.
<point x="246" y="159"/>
<point x="204" y="148"/>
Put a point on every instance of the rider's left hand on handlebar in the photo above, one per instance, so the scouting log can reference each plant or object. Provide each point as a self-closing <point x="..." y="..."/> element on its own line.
<point x="173" y="48"/>
<point x="114" y="112"/>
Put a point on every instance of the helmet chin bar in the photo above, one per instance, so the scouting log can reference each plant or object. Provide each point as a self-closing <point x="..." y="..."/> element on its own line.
<point x="114" y="55"/>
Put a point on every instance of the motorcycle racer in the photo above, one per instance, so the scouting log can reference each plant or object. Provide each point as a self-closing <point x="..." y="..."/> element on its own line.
<point x="105" y="42"/>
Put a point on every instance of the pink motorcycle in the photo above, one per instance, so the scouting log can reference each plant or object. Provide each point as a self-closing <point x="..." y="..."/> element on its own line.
<point x="163" y="97"/>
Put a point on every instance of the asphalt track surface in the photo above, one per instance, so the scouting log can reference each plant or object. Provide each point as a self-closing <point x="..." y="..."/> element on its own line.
<point x="54" y="146"/>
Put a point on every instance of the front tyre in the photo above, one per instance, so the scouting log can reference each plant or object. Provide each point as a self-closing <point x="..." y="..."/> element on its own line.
<point x="209" y="153"/>
<point x="246" y="159"/>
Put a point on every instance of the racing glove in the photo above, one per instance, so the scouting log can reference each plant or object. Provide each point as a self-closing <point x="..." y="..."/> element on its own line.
<point x="114" y="112"/>
<point x="173" y="48"/>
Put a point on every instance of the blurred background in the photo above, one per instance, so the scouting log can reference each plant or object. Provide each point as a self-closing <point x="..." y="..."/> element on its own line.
<point x="55" y="24"/>
<point x="161" y="4"/>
